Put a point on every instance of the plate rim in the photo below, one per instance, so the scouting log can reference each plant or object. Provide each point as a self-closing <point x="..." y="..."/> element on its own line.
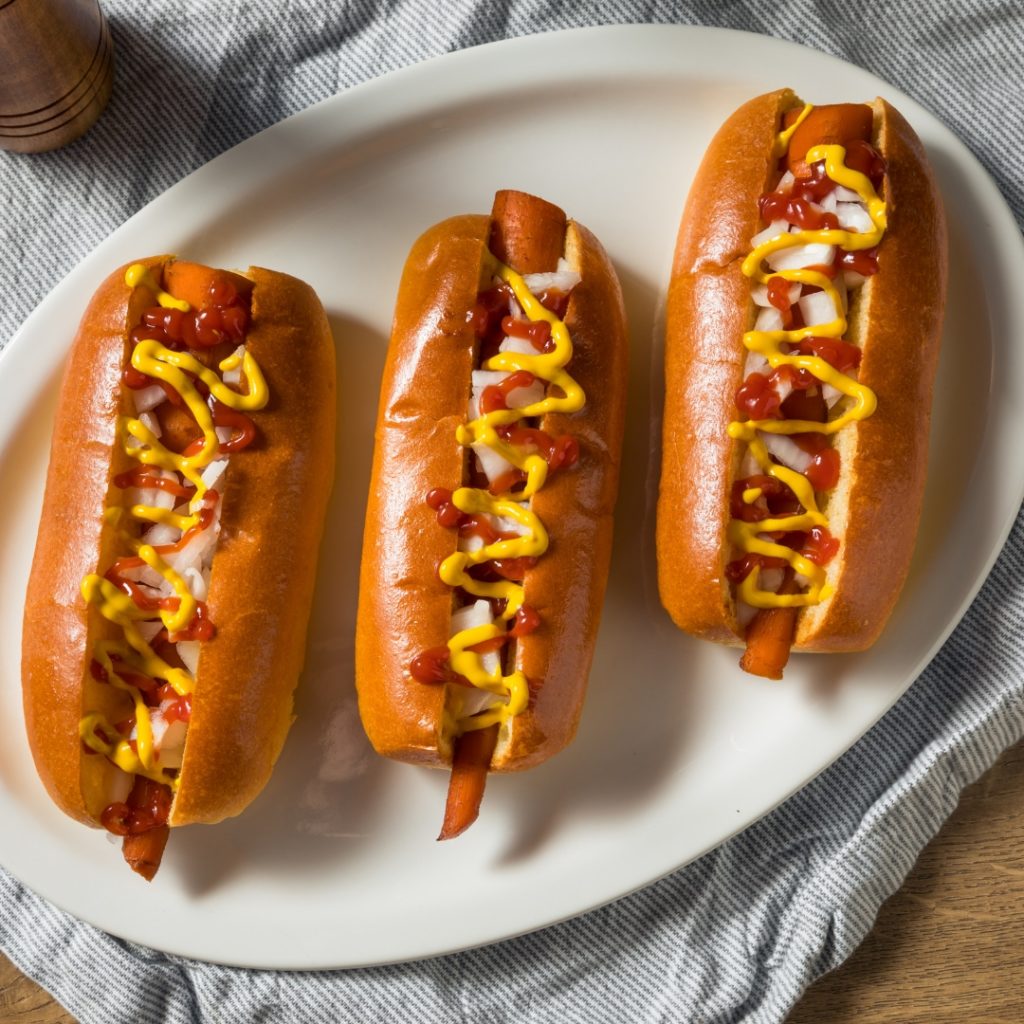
<point x="79" y="279"/>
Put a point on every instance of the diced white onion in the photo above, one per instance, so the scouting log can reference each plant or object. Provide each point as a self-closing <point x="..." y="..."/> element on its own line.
<point x="161" y="533"/>
<point x="563" y="280"/>
<point x="149" y="577"/>
<point x="213" y="472"/>
<point x="188" y="651"/>
<point x="759" y="293"/>
<point x="196" y="582"/>
<point x="517" y="398"/>
<point x="472" y="615"/>
<point x="768" y="319"/>
<point x="492" y="464"/>
<point x="770" y="579"/>
<point x="522" y="346"/>
<point x="756" y="363"/>
<point x="223" y="434"/>
<point x="149" y="421"/>
<point x="845" y="195"/>
<point x="817" y="308"/>
<point x="797" y="256"/>
<point x="198" y="547"/>
<point x="148" y="630"/>
<point x="776" y="228"/>
<point x="148" y="398"/>
<point x="151" y="496"/>
<point x="749" y="466"/>
<point x="785" y="184"/>
<point x="787" y="451"/>
<point x="119" y="789"/>
<point x="745" y="613"/>
<point x="474" y="542"/>
<point x="830" y="394"/>
<point x="853" y="217"/>
<point x="234" y="377"/>
<point x="828" y="203"/>
<point x="852" y="279"/>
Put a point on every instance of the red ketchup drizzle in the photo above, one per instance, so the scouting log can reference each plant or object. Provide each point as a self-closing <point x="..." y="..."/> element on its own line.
<point x="737" y="571"/>
<point x="147" y="808"/>
<point x="778" y="296"/>
<point x="797" y="210"/>
<point x="180" y="710"/>
<point x="526" y="621"/>
<point x="225" y="416"/>
<point x="863" y="261"/>
<point x="559" y="453"/>
<point x="495" y="396"/>
<point x="820" y="546"/>
<point x="776" y="495"/>
<point x="537" y="332"/>
<point x="823" y="471"/>
<point x="145" y="477"/>
<point x="840" y="355"/>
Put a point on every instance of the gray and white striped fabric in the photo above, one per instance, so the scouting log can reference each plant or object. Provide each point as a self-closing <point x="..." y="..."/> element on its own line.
<point x="738" y="935"/>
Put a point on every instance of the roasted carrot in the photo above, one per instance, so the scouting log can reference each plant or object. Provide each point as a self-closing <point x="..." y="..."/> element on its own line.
<point x="144" y="851"/>
<point x="470" y="763"/>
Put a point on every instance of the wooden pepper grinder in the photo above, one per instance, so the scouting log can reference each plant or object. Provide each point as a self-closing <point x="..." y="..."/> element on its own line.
<point x="56" y="71"/>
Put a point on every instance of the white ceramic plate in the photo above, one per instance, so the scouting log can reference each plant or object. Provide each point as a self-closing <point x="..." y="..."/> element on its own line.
<point x="336" y="863"/>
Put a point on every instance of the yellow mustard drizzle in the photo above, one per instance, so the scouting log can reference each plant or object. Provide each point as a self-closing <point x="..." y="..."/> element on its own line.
<point x="743" y="535"/>
<point x="549" y="367"/>
<point x="140" y="443"/>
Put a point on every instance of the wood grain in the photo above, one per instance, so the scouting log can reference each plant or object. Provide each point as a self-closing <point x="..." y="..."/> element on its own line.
<point x="56" y="71"/>
<point x="948" y="947"/>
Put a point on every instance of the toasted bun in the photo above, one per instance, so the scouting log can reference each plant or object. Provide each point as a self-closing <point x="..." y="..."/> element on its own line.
<point x="263" y="571"/>
<point x="896" y="319"/>
<point x="404" y="608"/>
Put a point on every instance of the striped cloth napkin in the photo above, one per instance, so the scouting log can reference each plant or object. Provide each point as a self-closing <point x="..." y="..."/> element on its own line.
<point x="739" y="934"/>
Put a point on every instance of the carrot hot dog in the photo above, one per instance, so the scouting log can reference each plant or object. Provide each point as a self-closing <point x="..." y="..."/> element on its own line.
<point x="802" y="337"/>
<point x="190" y="467"/>
<point x="488" y="531"/>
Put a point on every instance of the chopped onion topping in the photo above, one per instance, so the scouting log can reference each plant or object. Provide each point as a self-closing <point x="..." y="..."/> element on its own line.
<point x="150" y="422"/>
<point x="759" y="293"/>
<point x="491" y="463"/>
<point x="786" y="182"/>
<point x="797" y="256"/>
<point x="830" y="394"/>
<point x="518" y="398"/>
<point x="818" y="308"/>
<point x="149" y="629"/>
<point x="522" y="346"/>
<point x="188" y="651"/>
<point x="472" y="615"/>
<point x="787" y="451"/>
<point x="234" y="377"/>
<point x="776" y="228"/>
<point x="770" y="579"/>
<point x="756" y="363"/>
<point x="213" y="472"/>
<point x="768" y="319"/>
<point x="853" y="217"/>
<point x="148" y="398"/>
<point x="161" y="533"/>
<point x="564" y="279"/>
<point x="845" y="195"/>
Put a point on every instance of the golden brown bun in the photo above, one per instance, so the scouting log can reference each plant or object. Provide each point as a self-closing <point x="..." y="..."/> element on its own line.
<point x="275" y="497"/>
<point x="896" y="319"/>
<point x="404" y="608"/>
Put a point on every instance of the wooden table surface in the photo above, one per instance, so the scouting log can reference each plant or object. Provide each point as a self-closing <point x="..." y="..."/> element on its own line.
<point x="948" y="947"/>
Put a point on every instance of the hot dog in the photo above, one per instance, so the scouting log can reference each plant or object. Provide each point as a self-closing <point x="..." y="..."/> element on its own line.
<point x="165" y="618"/>
<point x="803" y="326"/>
<point x="489" y="524"/>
